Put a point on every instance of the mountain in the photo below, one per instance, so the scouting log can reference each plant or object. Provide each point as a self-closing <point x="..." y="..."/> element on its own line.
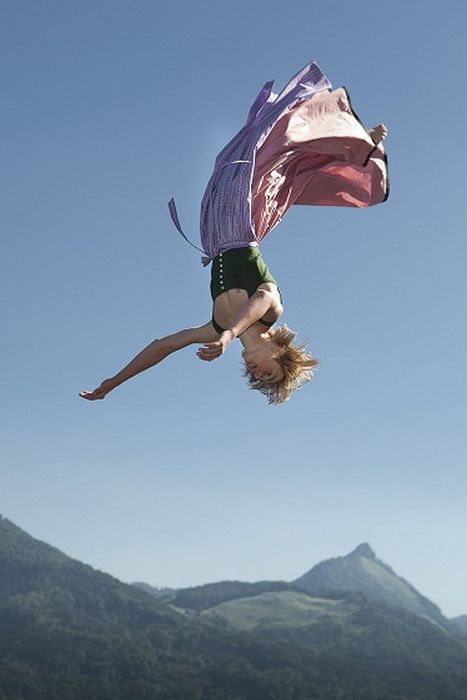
<point x="362" y="571"/>
<point x="165" y="594"/>
<point x="460" y="623"/>
<point x="338" y="624"/>
<point x="69" y="632"/>
<point x="358" y="572"/>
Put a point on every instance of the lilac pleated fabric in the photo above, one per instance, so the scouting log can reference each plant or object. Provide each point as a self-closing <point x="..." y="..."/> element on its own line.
<point x="303" y="146"/>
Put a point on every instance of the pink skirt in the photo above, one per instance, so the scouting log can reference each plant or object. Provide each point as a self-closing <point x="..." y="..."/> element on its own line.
<point x="317" y="153"/>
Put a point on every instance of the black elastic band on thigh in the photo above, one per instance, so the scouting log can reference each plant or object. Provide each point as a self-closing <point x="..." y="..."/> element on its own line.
<point x="217" y="327"/>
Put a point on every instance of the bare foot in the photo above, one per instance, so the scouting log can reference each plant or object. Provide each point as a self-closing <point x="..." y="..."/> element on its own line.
<point x="99" y="393"/>
<point x="378" y="133"/>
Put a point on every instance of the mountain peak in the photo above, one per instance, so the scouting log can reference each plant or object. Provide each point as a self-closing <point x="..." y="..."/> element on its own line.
<point x="362" y="571"/>
<point x="363" y="550"/>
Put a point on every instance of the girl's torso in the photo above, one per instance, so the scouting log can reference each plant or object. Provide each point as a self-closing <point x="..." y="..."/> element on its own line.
<point x="236" y="274"/>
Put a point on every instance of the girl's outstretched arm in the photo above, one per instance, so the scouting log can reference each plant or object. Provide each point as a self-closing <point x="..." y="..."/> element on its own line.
<point x="154" y="353"/>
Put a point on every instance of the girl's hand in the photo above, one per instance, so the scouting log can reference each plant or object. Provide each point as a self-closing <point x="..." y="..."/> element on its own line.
<point x="210" y="351"/>
<point x="99" y="393"/>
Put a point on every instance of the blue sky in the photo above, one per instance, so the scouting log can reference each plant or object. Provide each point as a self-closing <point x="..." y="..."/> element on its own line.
<point x="182" y="476"/>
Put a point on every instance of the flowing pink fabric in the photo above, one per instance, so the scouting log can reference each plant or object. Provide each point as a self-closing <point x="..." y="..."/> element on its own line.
<point x="317" y="153"/>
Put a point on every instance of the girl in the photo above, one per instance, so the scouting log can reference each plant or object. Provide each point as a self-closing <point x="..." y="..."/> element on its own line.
<point x="303" y="146"/>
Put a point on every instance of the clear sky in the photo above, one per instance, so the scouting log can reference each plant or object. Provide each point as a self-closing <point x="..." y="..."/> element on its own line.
<point x="183" y="476"/>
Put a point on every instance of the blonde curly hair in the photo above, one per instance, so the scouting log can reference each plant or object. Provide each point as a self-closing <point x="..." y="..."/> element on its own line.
<point x="296" y="364"/>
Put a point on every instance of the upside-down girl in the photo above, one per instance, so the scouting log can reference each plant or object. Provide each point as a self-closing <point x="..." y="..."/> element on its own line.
<point x="305" y="145"/>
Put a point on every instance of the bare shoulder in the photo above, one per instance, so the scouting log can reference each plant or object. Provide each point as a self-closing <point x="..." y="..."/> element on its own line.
<point x="276" y="309"/>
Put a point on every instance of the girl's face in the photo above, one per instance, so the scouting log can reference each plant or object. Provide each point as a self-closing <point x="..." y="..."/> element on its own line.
<point x="261" y="363"/>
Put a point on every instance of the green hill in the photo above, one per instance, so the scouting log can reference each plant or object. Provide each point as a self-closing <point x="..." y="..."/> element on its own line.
<point x="339" y="624"/>
<point x="201" y="597"/>
<point x="284" y="609"/>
